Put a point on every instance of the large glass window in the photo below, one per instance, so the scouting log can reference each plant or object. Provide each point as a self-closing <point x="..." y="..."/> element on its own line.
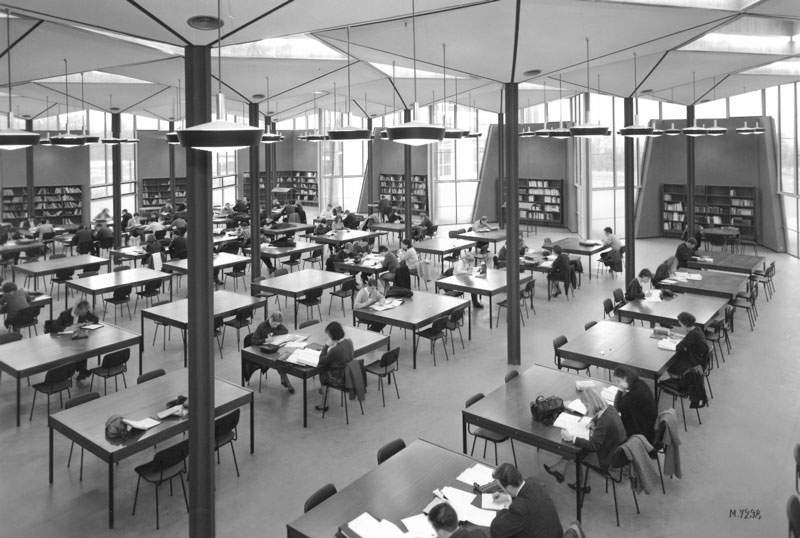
<point x="101" y="163"/>
<point x="788" y="145"/>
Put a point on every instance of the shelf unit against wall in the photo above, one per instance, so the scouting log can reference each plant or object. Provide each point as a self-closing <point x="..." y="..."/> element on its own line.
<point x="156" y="192"/>
<point x="393" y="187"/>
<point x="715" y="206"/>
<point x="61" y="204"/>
<point x="15" y="205"/>
<point x="304" y="184"/>
<point x="262" y="187"/>
<point x="541" y="201"/>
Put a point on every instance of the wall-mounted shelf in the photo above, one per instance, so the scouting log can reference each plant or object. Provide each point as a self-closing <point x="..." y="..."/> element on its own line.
<point x="393" y="187"/>
<point x="715" y="206"/>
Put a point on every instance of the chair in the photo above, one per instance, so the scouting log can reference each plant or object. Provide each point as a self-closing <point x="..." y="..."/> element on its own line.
<point x="237" y="271"/>
<point x="793" y="514"/>
<point x="569" y="364"/>
<point x="113" y="364"/>
<point x="390" y="449"/>
<point x="619" y="298"/>
<point x="167" y="464"/>
<point x="319" y="496"/>
<point x="85" y="247"/>
<point x="525" y="293"/>
<point x="608" y="309"/>
<point x="748" y="303"/>
<point x="106" y="243"/>
<point x="675" y="388"/>
<point x="342" y="390"/>
<point x="589" y="325"/>
<point x="765" y="278"/>
<point x="61" y="277"/>
<point x="121" y="296"/>
<point x="511" y="375"/>
<point x="119" y="268"/>
<point x="348" y="289"/>
<point x="8" y="259"/>
<point x="292" y="262"/>
<point x="308" y="323"/>
<point x="312" y="298"/>
<point x="433" y="333"/>
<point x="225" y="433"/>
<point x="147" y="376"/>
<point x="151" y="290"/>
<point x="456" y="321"/>
<point x="529" y="292"/>
<point x="715" y="332"/>
<point x="487" y="435"/>
<point x="243" y="319"/>
<point x="659" y="448"/>
<point x="314" y="257"/>
<point x="386" y="366"/>
<point x="27" y="317"/>
<point x="56" y="381"/>
<point x="618" y="462"/>
<point x="74" y="402"/>
<point x="456" y="255"/>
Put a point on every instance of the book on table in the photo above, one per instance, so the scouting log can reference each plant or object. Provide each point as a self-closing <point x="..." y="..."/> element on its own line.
<point x="143" y="424"/>
<point x="577" y="426"/>
<point x="305" y="357"/>
<point x="670" y="344"/>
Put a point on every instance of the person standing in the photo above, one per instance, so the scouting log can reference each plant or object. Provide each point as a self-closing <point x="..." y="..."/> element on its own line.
<point x="531" y="513"/>
<point x="272" y="326"/>
<point x="385" y="207"/>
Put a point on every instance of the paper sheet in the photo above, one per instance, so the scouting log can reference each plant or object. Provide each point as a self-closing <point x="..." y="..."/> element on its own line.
<point x="488" y="502"/>
<point x="653" y="298"/>
<point x="579" y="427"/>
<point x="577" y="406"/>
<point x="609" y="394"/>
<point x="92" y="326"/>
<point x="580" y="385"/>
<point x="305" y="357"/>
<point x="669" y="344"/>
<point x="477" y="474"/>
<point x="473" y="514"/>
<point x="668" y="281"/>
<point x="695" y="276"/>
<point x="366" y="526"/>
<point x="418" y="526"/>
<point x="455" y="495"/>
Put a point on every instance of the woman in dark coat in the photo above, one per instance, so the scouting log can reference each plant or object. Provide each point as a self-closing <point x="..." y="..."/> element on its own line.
<point x="559" y="271"/>
<point x="692" y="351"/>
<point x="334" y="357"/>
<point x="635" y="403"/>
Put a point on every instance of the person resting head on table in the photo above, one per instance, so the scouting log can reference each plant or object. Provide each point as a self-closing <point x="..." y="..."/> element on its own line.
<point x="13" y="301"/>
<point x="272" y="326"/>
<point x="369" y="295"/>
<point x="444" y="520"/>
<point x="665" y="270"/>
<point x="531" y="512"/>
<point x="635" y="289"/>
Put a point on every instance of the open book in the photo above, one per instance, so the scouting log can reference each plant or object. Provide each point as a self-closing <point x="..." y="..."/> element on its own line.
<point x="144" y="424"/>
<point x="670" y="344"/>
<point x="577" y="426"/>
<point x="305" y="357"/>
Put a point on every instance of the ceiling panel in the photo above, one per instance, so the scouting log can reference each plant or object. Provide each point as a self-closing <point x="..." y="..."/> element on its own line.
<point x="781" y="8"/>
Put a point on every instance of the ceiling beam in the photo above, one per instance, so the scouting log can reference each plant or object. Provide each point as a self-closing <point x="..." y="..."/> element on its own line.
<point x="216" y="42"/>
<point x="158" y="21"/>
<point x="516" y="45"/>
<point x="162" y="90"/>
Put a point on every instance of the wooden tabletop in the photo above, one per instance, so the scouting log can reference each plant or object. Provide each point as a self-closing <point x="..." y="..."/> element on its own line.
<point x="398" y="488"/>
<point x="225" y="238"/>
<point x="367" y="265"/>
<point x="666" y="311"/>
<point x="713" y="283"/>
<point x="111" y="281"/>
<point x="720" y="232"/>
<point x="493" y="283"/>
<point x="571" y="245"/>
<point x="345" y="236"/>
<point x="129" y="253"/>
<point x="494" y="236"/>
<point x="416" y="311"/>
<point x="51" y="266"/>
<point x="443" y="245"/>
<point x="226" y="303"/>
<point x="294" y="228"/>
<point x="222" y="260"/>
<point x="610" y="344"/>
<point x="14" y="246"/>
<point x="725" y="261"/>
<point x="394" y="227"/>
<point x="299" y="283"/>
<point x="300" y="247"/>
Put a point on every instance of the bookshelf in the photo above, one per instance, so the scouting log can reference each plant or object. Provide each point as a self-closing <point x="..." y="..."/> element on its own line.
<point x="60" y="205"/>
<point x="262" y="190"/>
<point x="393" y="187"/>
<point x="156" y="192"/>
<point x="541" y="201"/>
<point x="15" y="205"/>
<point x="304" y="184"/>
<point x="715" y="205"/>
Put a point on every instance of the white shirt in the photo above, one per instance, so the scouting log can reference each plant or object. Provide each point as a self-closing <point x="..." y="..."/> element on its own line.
<point x="410" y="256"/>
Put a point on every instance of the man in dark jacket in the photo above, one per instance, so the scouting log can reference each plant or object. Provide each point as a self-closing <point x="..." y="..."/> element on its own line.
<point x="635" y="289"/>
<point x="685" y="251"/>
<point x="531" y="513"/>
<point x="444" y="520"/>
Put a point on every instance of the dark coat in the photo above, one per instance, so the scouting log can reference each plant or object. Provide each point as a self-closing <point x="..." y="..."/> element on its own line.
<point x="683" y="254"/>
<point x="607" y="434"/>
<point x="638" y="410"/>
<point x="333" y="361"/>
<point x="634" y="290"/>
<point x="560" y="268"/>
<point x="662" y="272"/>
<point x="531" y="514"/>
<point x="691" y="351"/>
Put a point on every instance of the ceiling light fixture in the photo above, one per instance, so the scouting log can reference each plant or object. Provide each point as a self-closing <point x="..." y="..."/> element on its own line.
<point x="746" y="130"/>
<point x="111" y="140"/>
<point x="693" y="130"/>
<point x="86" y="138"/>
<point x="269" y="137"/>
<point x="172" y="136"/>
<point x="476" y="133"/>
<point x="588" y="128"/>
<point x="46" y="141"/>
<point x="532" y="73"/>
<point x="348" y="133"/>
<point x="636" y="130"/>
<point x="544" y="132"/>
<point x="758" y="129"/>
<point x="415" y="133"/>
<point x="672" y="131"/>
<point x="11" y="138"/>
<point x="67" y="140"/>
<point x="716" y="130"/>
<point x="220" y="135"/>
<point x="206" y="22"/>
<point x="316" y="136"/>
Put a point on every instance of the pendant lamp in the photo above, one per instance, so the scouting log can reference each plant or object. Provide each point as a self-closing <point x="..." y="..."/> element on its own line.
<point x="172" y="136"/>
<point x="112" y="140"/>
<point x="11" y="138"/>
<point x="758" y="129"/>
<point x="672" y="131"/>
<point x="588" y="128"/>
<point x="67" y="140"/>
<point x="415" y="133"/>
<point x="270" y="137"/>
<point x="475" y="133"/>
<point x="220" y="134"/>
<point x="636" y="130"/>
<point x="46" y="141"/>
<point x="348" y="133"/>
<point x="560" y="132"/>
<point x="716" y="130"/>
<point x="316" y="136"/>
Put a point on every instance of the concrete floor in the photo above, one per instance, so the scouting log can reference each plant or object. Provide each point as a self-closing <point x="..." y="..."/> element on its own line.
<point x="741" y="456"/>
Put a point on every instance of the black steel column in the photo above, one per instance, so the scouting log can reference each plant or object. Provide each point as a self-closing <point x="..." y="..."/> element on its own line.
<point x="269" y="161"/>
<point x="690" y="174"/>
<point x="171" y="155"/>
<point x="116" y="178"/>
<point x="630" y="210"/>
<point x="201" y="301"/>
<point x="255" y="213"/>
<point x="29" y="173"/>
<point x="407" y="173"/>
<point x="369" y="166"/>
<point x="511" y="153"/>
<point x="501" y="176"/>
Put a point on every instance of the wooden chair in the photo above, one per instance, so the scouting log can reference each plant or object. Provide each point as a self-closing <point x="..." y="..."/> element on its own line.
<point x="166" y="465"/>
<point x="74" y="402"/>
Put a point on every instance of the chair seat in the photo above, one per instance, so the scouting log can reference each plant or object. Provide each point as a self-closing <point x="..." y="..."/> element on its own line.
<point x="118" y="301"/>
<point x="52" y="388"/>
<point x="236" y="274"/>
<point x="109" y="372"/>
<point x="309" y="302"/>
<point x="151" y="472"/>
<point x="342" y="294"/>
<point x="376" y="368"/>
<point x="430" y="333"/>
<point x="483" y="433"/>
<point x="225" y="438"/>
<point x="672" y="386"/>
<point x="238" y="323"/>
<point x="573" y="364"/>
<point x="454" y="293"/>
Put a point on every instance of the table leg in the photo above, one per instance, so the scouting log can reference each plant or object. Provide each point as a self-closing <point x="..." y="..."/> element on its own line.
<point x="590" y="267"/>
<point x="490" y="311"/>
<point x="19" y="390"/>
<point x="295" y="313"/>
<point x="469" y="315"/>
<point x="305" y="403"/>
<point x="51" y="455"/>
<point x="185" y="349"/>
<point x="252" y="424"/>
<point x="170" y="287"/>
<point x="463" y="434"/>
<point x="578" y="490"/>
<point x="414" y="337"/>
<point x="66" y="297"/>
<point x="141" y="345"/>
<point x="110" y="495"/>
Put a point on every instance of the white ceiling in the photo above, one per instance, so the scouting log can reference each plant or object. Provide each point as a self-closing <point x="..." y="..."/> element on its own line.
<point x="480" y="49"/>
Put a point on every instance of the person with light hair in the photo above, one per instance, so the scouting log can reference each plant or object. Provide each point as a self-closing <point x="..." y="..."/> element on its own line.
<point x="606" y="433"/>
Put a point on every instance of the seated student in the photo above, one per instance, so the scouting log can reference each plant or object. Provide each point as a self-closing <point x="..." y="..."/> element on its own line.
<point x="395" y="216"/>
<point x="367" y="223"/>
<point x="606" y="433"/>
<point x="178" y="247"/>
<point x="301" y="213"/>
<point x="369" y="295"/>
<point x="180" y="224"/>
<point x="698" y="235"/>
<point x="333" y="359"/>
<point x="685" y="251"/>
<point x="635" y="403"/>
<point x="327" y="213"/>
<point x="692" y="351"/>
<point x="154" y="225"/>
<point x="500" y="259"/>
<point x="482" y="225"/>
<point x="103" y="232"/>
<point x="559" y="271"/>
<point x="389" y="264"/>
<point x="84" y="240"/>
<point x="444" y="520"/>
<point x="424" y="228"/>
<point x="83" y="314"/>
<point x="465" y="266"/>
<point x="635" y="289"/>
<point x="338" y="224"/>
<point x="241" y="206"/>
<point x="104" y="215"/>
<point x="610" y="241"/>
<point x="153" y="248"/>
<point x="272" y="326"/>
<point x="226" y="210"/>
<point x="12" y="301"/>
<point x="44" y="227"/>
<point x="350" y="220"/>
<point x="665" y="270"/>
<point x="531" y="513"/>
<point x="408" y="254"/>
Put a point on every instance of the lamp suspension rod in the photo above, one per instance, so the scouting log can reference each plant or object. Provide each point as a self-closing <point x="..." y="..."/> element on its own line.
<point x="414" y="44"/>
<point x="8" y="59"/>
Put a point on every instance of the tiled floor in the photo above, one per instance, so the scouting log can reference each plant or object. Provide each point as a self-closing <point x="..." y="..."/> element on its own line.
<point x="741" y="456"/>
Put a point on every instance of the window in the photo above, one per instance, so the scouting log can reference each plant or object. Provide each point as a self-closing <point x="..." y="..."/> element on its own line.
<point x="101" y="175"/>
<point x="788" y="144"/>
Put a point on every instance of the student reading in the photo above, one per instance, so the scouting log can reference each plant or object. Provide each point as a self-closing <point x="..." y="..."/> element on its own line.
<point x="531" y="513"/>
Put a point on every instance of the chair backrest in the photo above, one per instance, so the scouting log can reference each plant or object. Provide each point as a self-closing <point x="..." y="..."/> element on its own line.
<point x="171" y="456"/>
<point x="308" y="323"/>
<point x="797" y="455"/>
<point x="294" y="258"/>
<point x="474" y="399"/>
<point x="511" y="375"/>
<point x="530" y="288"/>
<point x="159" y="234"/>
<point x="390" y="449"/>
<point x="227" y="423"/>
<point x="123" y="293"/>
<point x="27" y="315"/>
<point x="248" y="340"/>
<point x="7" y="338"/>
<point x="619" y="296"/>
<point x="94" y="267"/>
<point x="608" y="306"/>
<point x="313" y="295"/>
<point x="559" y="341"/>
<point x="589" y="325"/>
<point x="240" y="267"/>
<point x="319" y="496"/>
<point x="389" y="358"/>
<point x="159" y="303"/>
<point x="116" y="358"/>
<point x="245" y="314"/>
<point x="147" y="376"/>
<point x="349" y="285"/>
<point x="439" y="325"/>
<point x="64" y="274"/>
<point x="87" y="274"/>
<point x="452" y="234"/>
<point x="121" y="268"/>
<point x="457" y="316"/>
<point x="82" y="399"/>
<point x="48" y="236"/>
<point x="153" y="285"/>
<point x="108" y="242"/>
<point x="793" y="514"/>
<point x="619" y="458"/>
<point x="280" y="272"/>
<point x="59" y="373"/>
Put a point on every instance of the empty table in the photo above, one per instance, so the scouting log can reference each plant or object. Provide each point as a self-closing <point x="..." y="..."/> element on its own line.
<point x="223" y="260"/>
<point x="441" y="246"/>
<point x="711" y="283"/>
<point x="109" y="282"/>
<point x="725" y="261"/>
<point x="492" y="283"/>
<point x="49" y="267"/>
<point x="133" y="254"/>
<point x="666" y="311"/>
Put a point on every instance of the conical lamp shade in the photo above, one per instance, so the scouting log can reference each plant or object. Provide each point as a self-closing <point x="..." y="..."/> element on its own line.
<point x="11" y="139"/>
<point x="220" y="135"/>
<point x="415" y="133"/>
<point x="348" y="133"/>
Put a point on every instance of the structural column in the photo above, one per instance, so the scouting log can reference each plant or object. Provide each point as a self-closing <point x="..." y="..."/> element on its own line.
<point x="407" y="175"/>
<point x="116" y="178"/>
<point x="269" y="161"/>
<point x="511" y="158"/>
<point x="255" y="210"/>
<point x="200" y="336"/>
<point x="501" y="157"/>
<point x="171" y="156"/>
<point x="690" y="180"/>
<point x="369" y="166"/>
<point x="29" y="172"/>
<point x="630" y="209"/>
